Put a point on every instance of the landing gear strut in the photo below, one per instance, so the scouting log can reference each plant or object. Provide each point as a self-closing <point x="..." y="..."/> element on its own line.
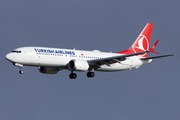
<point x="73" y="75"/>
<point x="20" y="66"/>
<point x="90" y="74"/>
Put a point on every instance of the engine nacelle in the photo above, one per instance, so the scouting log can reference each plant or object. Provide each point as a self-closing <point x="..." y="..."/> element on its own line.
<point x="48" y="70"/>
<point x="78" y="65"/>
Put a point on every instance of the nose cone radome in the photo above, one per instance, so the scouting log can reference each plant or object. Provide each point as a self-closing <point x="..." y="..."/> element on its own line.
<point x="9" y="56"/>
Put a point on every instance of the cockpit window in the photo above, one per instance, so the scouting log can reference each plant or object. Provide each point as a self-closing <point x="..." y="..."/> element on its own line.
<point x="15" y="51"/>
<point x="18" y="51"/>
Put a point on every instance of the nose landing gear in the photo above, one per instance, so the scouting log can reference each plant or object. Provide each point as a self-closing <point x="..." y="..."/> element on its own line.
<point x="21" y="72"/>
<point x="20" y="66"/>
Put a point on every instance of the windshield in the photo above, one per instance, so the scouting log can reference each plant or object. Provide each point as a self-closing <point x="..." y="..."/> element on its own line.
<point x="15" y="51"/>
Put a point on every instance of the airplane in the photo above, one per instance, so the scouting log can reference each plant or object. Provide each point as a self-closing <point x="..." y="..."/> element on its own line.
<point x="51" y="60"/>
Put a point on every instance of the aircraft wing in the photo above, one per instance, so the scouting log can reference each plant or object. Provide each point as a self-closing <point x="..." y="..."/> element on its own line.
<point x="110" y="60"/>
<point x="157" y="57"/>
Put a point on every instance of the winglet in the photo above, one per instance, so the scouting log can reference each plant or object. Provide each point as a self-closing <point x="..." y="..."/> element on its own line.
<point x="152" y="48"/>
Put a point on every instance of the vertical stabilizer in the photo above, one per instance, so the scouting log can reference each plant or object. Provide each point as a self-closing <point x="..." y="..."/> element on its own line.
<point x="142" y="42"/>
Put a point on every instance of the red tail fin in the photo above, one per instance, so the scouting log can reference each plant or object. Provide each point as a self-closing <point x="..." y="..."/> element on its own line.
<point x="142" y="42"/>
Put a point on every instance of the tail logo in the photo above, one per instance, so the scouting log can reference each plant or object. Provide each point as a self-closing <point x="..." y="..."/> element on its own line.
<point x="141" y="45"/>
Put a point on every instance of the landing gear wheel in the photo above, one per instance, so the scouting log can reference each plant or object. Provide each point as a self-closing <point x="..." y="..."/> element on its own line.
<point x="73" y="76"/>
<point x="90" y="74"/>
<point x="21" y="71"/>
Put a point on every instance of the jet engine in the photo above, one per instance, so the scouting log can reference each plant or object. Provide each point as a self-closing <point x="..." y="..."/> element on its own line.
<point x="78" y="65"/>
<point x="48" y="70"/>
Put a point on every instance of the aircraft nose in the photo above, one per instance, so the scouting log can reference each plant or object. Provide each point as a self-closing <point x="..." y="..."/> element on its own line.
<point x="8" y="56"/>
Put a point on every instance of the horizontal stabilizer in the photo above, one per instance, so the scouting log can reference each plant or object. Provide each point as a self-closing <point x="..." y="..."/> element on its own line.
<point x="152" y="48"/>
<point x="157" y="57"/>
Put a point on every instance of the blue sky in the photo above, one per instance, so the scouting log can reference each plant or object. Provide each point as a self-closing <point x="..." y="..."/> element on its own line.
<point x="149" y="92"/>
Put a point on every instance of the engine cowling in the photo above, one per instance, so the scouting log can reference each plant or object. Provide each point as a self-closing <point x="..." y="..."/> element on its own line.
<point x="48" y="70"/>
<point x="78" y="65"/>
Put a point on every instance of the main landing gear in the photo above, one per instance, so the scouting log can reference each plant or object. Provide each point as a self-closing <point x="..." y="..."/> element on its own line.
<point x="74" y="75"/>
<point x="90" y="74"/>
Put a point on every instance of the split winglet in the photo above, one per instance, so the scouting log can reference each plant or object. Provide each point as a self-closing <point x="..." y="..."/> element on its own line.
<point x="152" y="48"/>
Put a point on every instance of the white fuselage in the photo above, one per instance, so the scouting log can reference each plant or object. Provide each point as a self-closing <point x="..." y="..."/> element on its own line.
<point x="59" y="58"/>
<point x="51" y="60"/>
